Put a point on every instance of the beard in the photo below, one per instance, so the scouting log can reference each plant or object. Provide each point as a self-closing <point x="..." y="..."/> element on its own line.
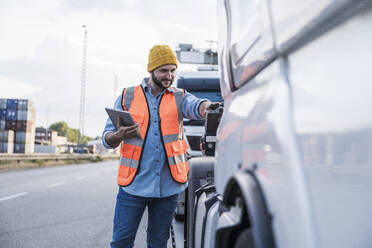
<point x="158" y="82"/>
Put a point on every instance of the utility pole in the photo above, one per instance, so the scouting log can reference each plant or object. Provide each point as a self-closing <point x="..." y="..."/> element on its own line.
<point x="83" y="81"/>
<point x="115" y="86"/>
<point x="47" y="127"/>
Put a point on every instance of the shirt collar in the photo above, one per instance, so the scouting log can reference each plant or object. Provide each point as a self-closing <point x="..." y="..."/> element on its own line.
<point x="144" y="83"/>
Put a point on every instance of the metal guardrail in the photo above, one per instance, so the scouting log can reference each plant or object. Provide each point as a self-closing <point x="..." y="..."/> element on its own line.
<point x="56" y="157"/>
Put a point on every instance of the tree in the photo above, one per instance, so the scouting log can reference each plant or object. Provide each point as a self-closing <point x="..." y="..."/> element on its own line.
<point x="61" y="127"/>
<point x="85" y="139"/>
<point x="72" y="134"/>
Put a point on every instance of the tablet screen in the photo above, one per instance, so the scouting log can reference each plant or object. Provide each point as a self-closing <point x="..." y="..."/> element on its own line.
<point x="125" y="117"/>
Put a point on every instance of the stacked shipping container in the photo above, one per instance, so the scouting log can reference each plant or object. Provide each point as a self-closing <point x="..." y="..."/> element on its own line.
<point x="6" y="141"/>
<point x="17" y="122"/>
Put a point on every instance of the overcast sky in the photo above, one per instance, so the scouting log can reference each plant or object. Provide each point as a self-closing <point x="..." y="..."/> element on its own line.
<point x="42" y="43"/>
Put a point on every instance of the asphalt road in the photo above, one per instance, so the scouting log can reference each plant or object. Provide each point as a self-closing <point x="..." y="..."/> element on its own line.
<point x="67" y="206"/>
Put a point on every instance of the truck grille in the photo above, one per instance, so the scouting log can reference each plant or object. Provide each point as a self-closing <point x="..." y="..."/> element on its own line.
<point x="194" y="142"/>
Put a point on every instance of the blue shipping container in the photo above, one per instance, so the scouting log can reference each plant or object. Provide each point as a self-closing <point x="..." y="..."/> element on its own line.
<point x="11" y="115"/>
<point x="2" y="114"/>
<point x="12" y="104"/>
<point x="2" y="124"/>
<point x="3" y="103"/>
<point x="23" y="104"/>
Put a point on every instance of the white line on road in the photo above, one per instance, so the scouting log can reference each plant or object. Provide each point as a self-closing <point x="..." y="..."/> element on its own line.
<point x="13" y="196"/>
<point x="56" y="184"/>
<point x="81" y="178"/>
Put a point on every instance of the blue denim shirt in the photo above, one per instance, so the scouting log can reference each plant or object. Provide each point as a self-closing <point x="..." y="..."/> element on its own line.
<point x="153" y="178"/>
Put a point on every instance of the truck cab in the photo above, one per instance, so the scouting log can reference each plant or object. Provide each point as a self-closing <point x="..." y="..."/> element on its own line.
<point x="293" y="162"/>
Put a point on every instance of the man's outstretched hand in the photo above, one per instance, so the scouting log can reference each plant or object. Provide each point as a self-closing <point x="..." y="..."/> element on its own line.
<point x="207" y="105"/>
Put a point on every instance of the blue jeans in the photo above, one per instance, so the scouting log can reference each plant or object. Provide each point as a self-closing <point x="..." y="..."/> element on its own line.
<point x="128" y="213"/>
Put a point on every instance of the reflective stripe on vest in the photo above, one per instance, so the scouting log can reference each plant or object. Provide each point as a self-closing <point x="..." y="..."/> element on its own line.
<point x="128" y="96"/>
<point x="171" y="127"/>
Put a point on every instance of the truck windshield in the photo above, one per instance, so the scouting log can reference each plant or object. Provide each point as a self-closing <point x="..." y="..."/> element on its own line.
<point x="205" y="88"/>
<point x="211" y="96"/>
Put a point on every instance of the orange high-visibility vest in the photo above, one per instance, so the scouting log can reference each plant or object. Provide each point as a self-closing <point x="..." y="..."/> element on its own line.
<point x="171" y="127"/>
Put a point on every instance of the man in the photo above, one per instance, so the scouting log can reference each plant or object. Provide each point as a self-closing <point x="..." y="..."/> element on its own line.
<point x="153" y="168"/>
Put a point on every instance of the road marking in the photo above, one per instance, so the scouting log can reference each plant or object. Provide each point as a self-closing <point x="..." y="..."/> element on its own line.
<point x="56" y="184"/>
<point x="81" y="178"/>
<point x="13" y="196"/>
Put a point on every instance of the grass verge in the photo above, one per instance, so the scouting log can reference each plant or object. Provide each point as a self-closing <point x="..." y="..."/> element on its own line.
<point x="6" y="165"/>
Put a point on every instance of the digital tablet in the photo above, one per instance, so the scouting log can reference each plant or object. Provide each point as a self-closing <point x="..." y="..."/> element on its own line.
<point x="125" y="117"/>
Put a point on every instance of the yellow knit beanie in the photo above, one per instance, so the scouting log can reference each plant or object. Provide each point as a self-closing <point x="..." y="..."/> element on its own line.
<point x="160" y="55"/>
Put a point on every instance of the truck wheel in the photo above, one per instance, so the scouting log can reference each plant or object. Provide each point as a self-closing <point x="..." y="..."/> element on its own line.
<point x="245" y="239"/>
<point x="254" y="222"/>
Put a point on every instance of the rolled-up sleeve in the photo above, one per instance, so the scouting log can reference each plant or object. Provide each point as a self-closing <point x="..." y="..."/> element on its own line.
<point x="191" y="105"/>
<point x="109" y="125"/>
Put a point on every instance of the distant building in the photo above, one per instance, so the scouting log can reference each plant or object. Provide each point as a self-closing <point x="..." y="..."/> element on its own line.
<point x="49" y="137"/>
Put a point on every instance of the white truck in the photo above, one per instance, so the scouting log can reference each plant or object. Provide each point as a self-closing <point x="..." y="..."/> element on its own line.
<point x="293" y="164"/>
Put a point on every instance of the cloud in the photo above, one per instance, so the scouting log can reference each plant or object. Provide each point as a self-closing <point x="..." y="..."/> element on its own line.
<point x="52" y="79"/>
<point x="84" y="5"/>
<point x="44" y="42"/>
<point x="23" y="89"/>
<point x="193" y="20"/>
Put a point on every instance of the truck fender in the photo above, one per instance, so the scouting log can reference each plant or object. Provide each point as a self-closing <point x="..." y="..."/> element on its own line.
<point x="244" y="207"/>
